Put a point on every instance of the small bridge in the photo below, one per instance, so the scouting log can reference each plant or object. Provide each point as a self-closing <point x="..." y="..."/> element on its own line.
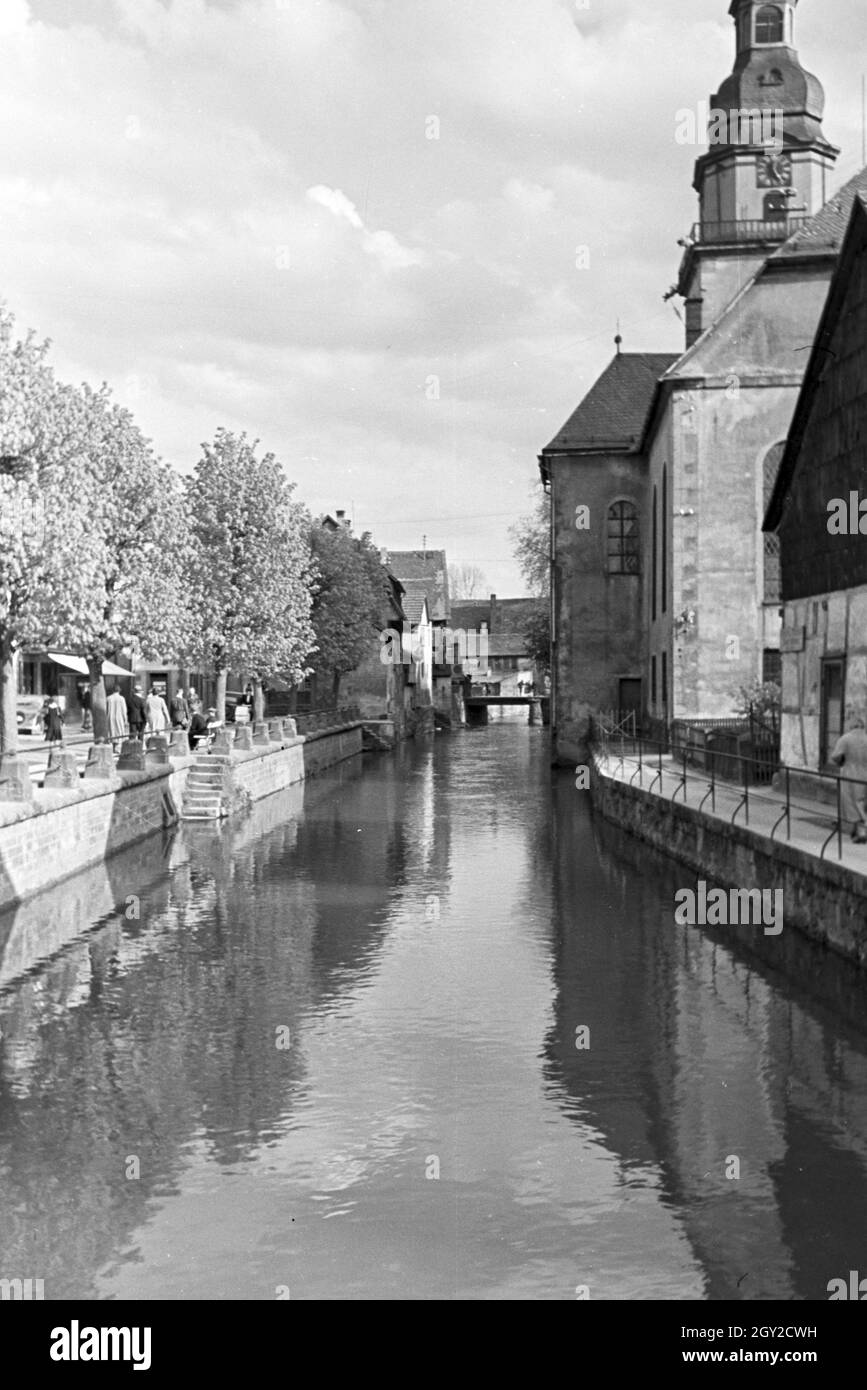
<point x="476" y="706"/>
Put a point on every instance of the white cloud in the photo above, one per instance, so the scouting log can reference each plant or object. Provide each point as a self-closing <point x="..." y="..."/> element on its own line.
<point x="382" y="245"/>
<point x="241" y="213"/>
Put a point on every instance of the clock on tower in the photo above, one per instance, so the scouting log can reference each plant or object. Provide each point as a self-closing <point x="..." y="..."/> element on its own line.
<point x="773" y="170"/>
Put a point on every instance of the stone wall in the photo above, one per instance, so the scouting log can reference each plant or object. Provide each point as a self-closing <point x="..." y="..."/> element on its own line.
<point x="822" y="899"/>
<point x="63" y="832"/>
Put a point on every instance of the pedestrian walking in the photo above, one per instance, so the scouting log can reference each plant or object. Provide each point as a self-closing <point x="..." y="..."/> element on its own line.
<point x="86" y="700"/>
<point x="53" y="720"/>
<point x="158" y="720"/>
<point x="194" y="704"/>
<point x="118" y="719"/>
<point x="136" y="712"/>
<point x="180" y="710"/>
<point x="850" y="754"/>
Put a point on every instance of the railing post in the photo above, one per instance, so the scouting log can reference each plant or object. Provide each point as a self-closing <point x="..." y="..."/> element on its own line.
<point x="788" y="808"/>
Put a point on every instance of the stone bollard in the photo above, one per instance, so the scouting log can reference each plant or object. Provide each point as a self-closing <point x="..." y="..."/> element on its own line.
<point x="275" y="730"/>
<point x="223" y="741"/>
<point x="290" y="729"/>
<point x="179" y="746"/>
<point x="132" y="756"/>
<point x="261" y="737"/>
<point x="100" y="761"/>
<point x="62" y="770"/>
<point x="244" y="738"/>
<point x="15" y="781"/>
<point x="157" y="751"/>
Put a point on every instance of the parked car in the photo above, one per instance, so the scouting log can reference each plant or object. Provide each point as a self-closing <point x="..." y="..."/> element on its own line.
<point x="29" y="711"/>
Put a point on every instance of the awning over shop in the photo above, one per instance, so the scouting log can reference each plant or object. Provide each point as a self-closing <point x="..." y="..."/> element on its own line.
<point x="78" y="663"/>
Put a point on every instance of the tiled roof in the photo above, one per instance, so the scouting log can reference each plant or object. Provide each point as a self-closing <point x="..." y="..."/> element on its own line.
<point x="424" y="572"/>
<point x="825" y="231"/>
<point x="507" y="644"/>
<point x="470" y="613"/>
<point x="514" y="614"/>
<point x="822" y="363"/>
<point x="615" y="410"/>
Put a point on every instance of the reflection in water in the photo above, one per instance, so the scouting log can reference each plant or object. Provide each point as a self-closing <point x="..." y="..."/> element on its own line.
<point x="328" y="1085"/>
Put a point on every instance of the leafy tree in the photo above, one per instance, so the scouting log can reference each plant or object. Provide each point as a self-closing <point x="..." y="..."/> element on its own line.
<point x="537" y="637"/>
<point x="51" y="556"/>
<point x="761" y="700"/>
<point x="465" y="581"/>
<point x="249" y="567"/>
<point x="142" y="521"/>
<point x="347" y="602"/>
<point x="531" y="539"/>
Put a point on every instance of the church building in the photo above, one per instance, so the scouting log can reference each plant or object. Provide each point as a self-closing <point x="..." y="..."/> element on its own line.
<point x="665" y="591"/>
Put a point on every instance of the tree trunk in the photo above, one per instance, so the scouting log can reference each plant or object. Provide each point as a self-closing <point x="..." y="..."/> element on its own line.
<point x="258" y="702"/>
<point x="8" y="699"/>
<point x="98" y="710"/>
<point x="220" y="697"/>
<point x="335" y="690"/>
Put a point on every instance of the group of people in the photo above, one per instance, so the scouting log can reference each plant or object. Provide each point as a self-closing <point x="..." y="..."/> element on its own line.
<point x="134" y="715"/>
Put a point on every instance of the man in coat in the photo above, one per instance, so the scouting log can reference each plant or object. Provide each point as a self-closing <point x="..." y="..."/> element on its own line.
<point x="180" y="710"/>
<point x="850" y="755"/>
<point x="137" y="713"/>
<point x="118" y="725"/>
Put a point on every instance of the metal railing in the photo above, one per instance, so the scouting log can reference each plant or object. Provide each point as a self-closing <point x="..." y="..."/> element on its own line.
<point x="648" y="753"/>
<point x="748" y="229"/>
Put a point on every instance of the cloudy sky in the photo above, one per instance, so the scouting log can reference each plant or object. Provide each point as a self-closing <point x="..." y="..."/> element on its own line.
<point x="390" y="238"/>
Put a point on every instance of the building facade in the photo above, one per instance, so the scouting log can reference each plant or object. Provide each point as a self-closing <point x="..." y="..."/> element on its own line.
<point x="815" y="512"/>
<point x="665" y="590"/>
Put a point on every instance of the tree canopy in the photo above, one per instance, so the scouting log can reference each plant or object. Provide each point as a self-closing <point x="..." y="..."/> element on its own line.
<point x="348" y="599"/>
<point x="249" y="573"/>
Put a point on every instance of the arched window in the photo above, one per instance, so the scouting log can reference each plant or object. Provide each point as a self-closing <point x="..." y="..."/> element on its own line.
<point x="770" y="467"/>
<point x="623" y="538"/>
<point x="769" y="24"/>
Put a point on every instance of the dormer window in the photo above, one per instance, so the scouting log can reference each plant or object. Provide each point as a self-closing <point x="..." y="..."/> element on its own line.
<point x="769" y="24"/>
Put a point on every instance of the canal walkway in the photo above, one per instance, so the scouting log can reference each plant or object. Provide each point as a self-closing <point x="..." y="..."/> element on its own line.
<point x="807" y="823"/>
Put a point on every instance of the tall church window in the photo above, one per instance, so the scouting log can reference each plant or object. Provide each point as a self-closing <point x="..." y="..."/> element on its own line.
<point x="769" y="25"/>
<point x="771" y="542"/>
<point x="623" y="538"/>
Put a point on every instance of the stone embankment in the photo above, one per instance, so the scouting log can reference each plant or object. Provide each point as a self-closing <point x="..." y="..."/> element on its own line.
<point x="68" y="826"/>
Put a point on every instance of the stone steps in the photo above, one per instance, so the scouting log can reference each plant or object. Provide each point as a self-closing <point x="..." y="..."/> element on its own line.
<point x="203" y="794"/>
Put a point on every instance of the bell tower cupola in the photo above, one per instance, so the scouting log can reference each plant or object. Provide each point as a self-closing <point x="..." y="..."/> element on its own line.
<point x="768" y="166"/>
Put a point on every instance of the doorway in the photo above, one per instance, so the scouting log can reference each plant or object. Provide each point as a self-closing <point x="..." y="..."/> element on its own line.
<point x="833" y="689"/>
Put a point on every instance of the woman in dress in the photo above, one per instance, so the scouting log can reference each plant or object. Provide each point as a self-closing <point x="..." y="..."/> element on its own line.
<point x="53" y="718"/>
<point x="157" y="713"/>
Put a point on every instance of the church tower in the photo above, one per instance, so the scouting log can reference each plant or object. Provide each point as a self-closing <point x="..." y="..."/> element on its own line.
<point x="768" y="165"/>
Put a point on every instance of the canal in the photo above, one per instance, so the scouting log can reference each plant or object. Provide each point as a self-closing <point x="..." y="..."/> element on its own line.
<point x="422" y="1029"/>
